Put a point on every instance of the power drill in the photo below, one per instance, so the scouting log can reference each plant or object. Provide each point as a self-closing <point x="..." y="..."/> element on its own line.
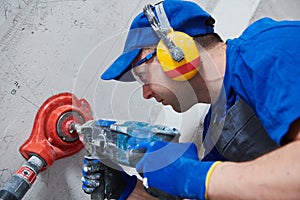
<point x="112" y="140"/>
<point x="54" y="136"/>
<point x="112" y="143"/>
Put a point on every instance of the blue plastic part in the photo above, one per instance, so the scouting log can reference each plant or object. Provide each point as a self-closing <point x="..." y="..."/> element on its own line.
<point x="132" y="133"/>
<point x="105" y="123"/>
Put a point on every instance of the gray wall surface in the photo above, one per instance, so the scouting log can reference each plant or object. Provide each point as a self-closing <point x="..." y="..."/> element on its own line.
<point x="53" y="46"/>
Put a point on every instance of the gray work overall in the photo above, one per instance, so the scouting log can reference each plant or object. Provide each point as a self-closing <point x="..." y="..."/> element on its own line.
<point x="243" y="137"/>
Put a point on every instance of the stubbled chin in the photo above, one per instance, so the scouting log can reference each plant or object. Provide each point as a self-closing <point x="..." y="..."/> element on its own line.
<point x="180" y="109"/>
<point x="177" y="109"/>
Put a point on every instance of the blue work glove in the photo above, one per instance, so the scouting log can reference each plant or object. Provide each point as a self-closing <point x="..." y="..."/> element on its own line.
<point x="104" y="182"/>
<point x="175" y="169"/>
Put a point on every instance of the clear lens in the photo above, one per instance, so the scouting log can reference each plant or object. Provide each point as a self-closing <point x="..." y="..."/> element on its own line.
<point x="139" y="68"/>
<point x="140" y="73"/>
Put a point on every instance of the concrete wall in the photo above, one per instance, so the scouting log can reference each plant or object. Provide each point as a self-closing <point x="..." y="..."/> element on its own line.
<point x="50" y="46"/>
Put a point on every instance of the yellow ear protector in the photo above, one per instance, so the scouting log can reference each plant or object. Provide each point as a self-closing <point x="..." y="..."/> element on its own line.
<point x="176" y="51"/>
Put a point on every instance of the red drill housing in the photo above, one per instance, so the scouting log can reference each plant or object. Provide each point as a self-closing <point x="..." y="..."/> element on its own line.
<point x="52" y="137"/>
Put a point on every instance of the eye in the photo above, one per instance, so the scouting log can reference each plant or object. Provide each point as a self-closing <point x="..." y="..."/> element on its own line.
<point x="144" y="79"/>
<point x="140" y="74"/>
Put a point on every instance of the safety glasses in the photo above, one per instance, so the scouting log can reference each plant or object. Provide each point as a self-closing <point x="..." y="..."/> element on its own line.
<point x="139" y="71"/>
<point x="147" y="58"/>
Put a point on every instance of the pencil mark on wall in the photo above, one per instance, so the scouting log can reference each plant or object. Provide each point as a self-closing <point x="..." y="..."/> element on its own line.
<point x="16" y="87"/>
<point x="26" y="99"/>
<point x="7" y="7"/>
<point x="23" y="80"/>
<point x="24" y="15"/>
<point x="7" y="139"/>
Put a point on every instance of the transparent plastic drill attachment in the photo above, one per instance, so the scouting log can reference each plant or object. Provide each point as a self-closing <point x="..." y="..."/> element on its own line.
<point x="111" y="140"/>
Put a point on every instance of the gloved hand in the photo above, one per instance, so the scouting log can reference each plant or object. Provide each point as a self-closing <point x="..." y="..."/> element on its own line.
<point x="103" y="182"/>
<point x="175" y="168"/>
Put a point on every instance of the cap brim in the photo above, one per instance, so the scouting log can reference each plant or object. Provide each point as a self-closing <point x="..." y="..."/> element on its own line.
<point x="120" y="66"/>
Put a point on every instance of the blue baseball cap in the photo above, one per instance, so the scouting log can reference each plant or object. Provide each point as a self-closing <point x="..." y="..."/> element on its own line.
<point x="184" y="16"/>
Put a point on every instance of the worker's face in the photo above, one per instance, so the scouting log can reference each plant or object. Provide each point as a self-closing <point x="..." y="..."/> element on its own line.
<point x="178" y="94"/>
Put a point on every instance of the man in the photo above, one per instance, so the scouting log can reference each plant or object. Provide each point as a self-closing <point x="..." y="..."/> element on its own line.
<point x="252" y="130"/>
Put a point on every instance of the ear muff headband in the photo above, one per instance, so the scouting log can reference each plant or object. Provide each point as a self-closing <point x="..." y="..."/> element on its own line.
<point x="176" y="51"/>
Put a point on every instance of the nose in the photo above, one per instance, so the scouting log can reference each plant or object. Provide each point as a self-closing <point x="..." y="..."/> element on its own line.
<point x="147" y="91"/>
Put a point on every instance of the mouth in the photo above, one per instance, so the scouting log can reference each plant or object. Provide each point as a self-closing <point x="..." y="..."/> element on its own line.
<point x="162" y="102"/>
